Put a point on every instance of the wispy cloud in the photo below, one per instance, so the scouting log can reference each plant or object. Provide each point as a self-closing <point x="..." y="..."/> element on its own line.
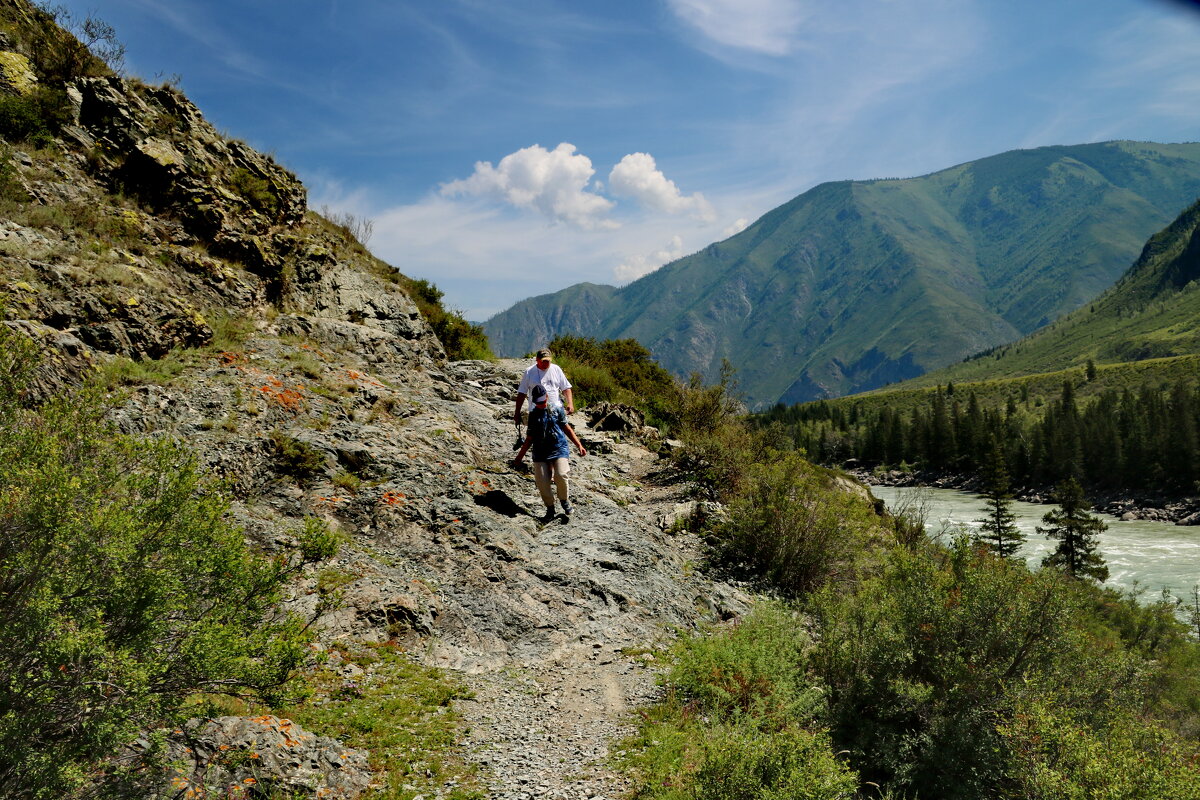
<point x="1159" y="58"/>
<point x="194" y="24"/>
<point x="762" y="26"/>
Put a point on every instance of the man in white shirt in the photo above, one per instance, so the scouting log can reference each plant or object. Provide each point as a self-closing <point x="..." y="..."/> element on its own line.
<point x="551" y="378"/>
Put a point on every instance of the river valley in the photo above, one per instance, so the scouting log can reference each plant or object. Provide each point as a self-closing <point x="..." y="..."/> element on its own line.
<point x="1150" y="555"/>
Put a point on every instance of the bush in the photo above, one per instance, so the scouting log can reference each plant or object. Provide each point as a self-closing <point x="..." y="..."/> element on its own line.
<point x="792" y="526"/>
<point x="754" y="668"/>
<point x="618" y="371"/>
<point x="124" y="590"/>
<point x="64" y="48"/>
<point x="461" y="339"/>
<point x="255" y="190"/>
<point x="296" y="458"/>
<point x="925" y="660"/>
<point x="591" y="384"/>
<point x="737" y="721"/>
<point x="1054" y="755"/>
<point x="36" y="117"/>
<point x="788" y="765"/>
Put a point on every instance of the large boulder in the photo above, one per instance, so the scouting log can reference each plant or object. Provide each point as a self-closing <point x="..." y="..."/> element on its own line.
<point x="615" y="417"/>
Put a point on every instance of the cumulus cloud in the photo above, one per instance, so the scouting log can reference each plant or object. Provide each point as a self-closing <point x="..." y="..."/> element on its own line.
<point x="637" y="176"/>
<point x="636" y="266"/>
<point x="552" y="182"/>
<point x="763" y="26"/>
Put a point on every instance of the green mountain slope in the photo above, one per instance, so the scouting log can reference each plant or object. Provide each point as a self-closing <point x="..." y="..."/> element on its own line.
<point x="856" y="284"/>
<point x="1153" y="312"/>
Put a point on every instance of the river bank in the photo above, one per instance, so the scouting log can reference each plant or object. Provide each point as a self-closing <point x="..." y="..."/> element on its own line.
<point x="1123" y="506"/>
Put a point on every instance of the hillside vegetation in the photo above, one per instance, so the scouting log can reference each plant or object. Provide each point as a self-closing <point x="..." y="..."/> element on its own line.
<point x="856" y="284"/>
<point x="1152" y="312"/>
<point x="897" y="664"/>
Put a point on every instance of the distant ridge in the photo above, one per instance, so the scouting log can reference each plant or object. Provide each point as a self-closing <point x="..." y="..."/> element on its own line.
<point x="856" y="284"/>
<point x="1153" y="312"/>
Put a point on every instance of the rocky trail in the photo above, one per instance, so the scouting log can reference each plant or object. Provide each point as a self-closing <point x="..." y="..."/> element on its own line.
<point x="549" y="626"/>
<point x="544" y="728"/>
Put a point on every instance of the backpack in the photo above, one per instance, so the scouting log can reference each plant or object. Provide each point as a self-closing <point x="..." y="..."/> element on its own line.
<point x="545" y="430"/>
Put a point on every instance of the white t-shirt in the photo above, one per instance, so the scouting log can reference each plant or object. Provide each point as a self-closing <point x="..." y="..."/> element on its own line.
<point x="552" y="379"/>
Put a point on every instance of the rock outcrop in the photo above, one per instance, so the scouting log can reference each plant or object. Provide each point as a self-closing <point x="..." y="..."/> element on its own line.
<point x="263" y="756"/>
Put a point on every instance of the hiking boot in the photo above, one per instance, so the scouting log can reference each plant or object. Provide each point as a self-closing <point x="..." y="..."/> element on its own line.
<point x="549" y="515"/>
<point x="567" y="509"/>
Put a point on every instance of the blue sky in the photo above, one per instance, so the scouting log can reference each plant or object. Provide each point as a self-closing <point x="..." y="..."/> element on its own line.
<point x="508" y="149"/>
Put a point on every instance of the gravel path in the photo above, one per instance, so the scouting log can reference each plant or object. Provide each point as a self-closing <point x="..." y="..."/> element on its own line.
<point x="544" y="731"/>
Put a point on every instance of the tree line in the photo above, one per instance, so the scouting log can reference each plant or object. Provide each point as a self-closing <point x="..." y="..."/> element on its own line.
<point x="1119" y="440"/>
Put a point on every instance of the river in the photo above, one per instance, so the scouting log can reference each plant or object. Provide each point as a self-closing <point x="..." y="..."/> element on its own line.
<point x="1152" y="555"/>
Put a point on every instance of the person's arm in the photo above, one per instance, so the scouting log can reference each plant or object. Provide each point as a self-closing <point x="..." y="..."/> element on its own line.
<point x="569" y="401"/>
<point x="567" y="429"/>
<point x="520" y="402"/>
<point x="520" y="456"/>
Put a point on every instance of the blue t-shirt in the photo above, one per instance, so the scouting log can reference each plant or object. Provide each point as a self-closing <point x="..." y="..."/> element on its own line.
<point x="549" y="440"/>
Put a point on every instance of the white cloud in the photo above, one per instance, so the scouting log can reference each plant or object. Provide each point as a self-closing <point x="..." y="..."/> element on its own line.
<point x="552" y="182"/>
<point x="763" y="26"/>
<point x="637" y="176"/>
<point x="636" y="266"/>
<point x="739" y="225"/>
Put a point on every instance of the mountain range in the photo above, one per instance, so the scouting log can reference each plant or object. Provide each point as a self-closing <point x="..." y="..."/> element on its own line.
<point x="856" y="284"/>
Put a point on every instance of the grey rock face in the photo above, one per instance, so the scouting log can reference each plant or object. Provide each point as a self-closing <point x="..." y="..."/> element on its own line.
<point x="255" y="756"/>
<point x="154" y="144"/>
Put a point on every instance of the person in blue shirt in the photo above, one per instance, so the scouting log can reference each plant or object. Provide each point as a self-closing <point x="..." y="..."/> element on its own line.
<point x="549" y="438"/>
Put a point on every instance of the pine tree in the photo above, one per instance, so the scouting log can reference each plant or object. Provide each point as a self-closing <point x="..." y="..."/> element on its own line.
<point x="998" y="530"/>
<point x="1076" y="531"/>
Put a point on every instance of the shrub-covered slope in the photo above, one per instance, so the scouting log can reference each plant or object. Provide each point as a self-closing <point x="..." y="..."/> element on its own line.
<point x="856" y="284"/>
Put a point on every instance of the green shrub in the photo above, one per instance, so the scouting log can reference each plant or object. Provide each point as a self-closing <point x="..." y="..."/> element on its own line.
<point x="792" y="526"/>
<point x="460" y="338"/>
<point x="230" y="331"/>
<point x="120" y="371"/>
<point x="787" y="765"/>
<point x="256" y="191"/>
<point x="63" y="47"/>
<point x="124" y="590"/>
<point x="296" y="458"/>
<point x="925" y="659"/>
<point x="591" y="385"/>
<point x="1053" y="755"/>
<point x="619" y="371"/>
<point x="737" y="719"/>
<point x="348" y="481"/>
<point x="35" y="117"/>
<point x="754" y="669"/>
